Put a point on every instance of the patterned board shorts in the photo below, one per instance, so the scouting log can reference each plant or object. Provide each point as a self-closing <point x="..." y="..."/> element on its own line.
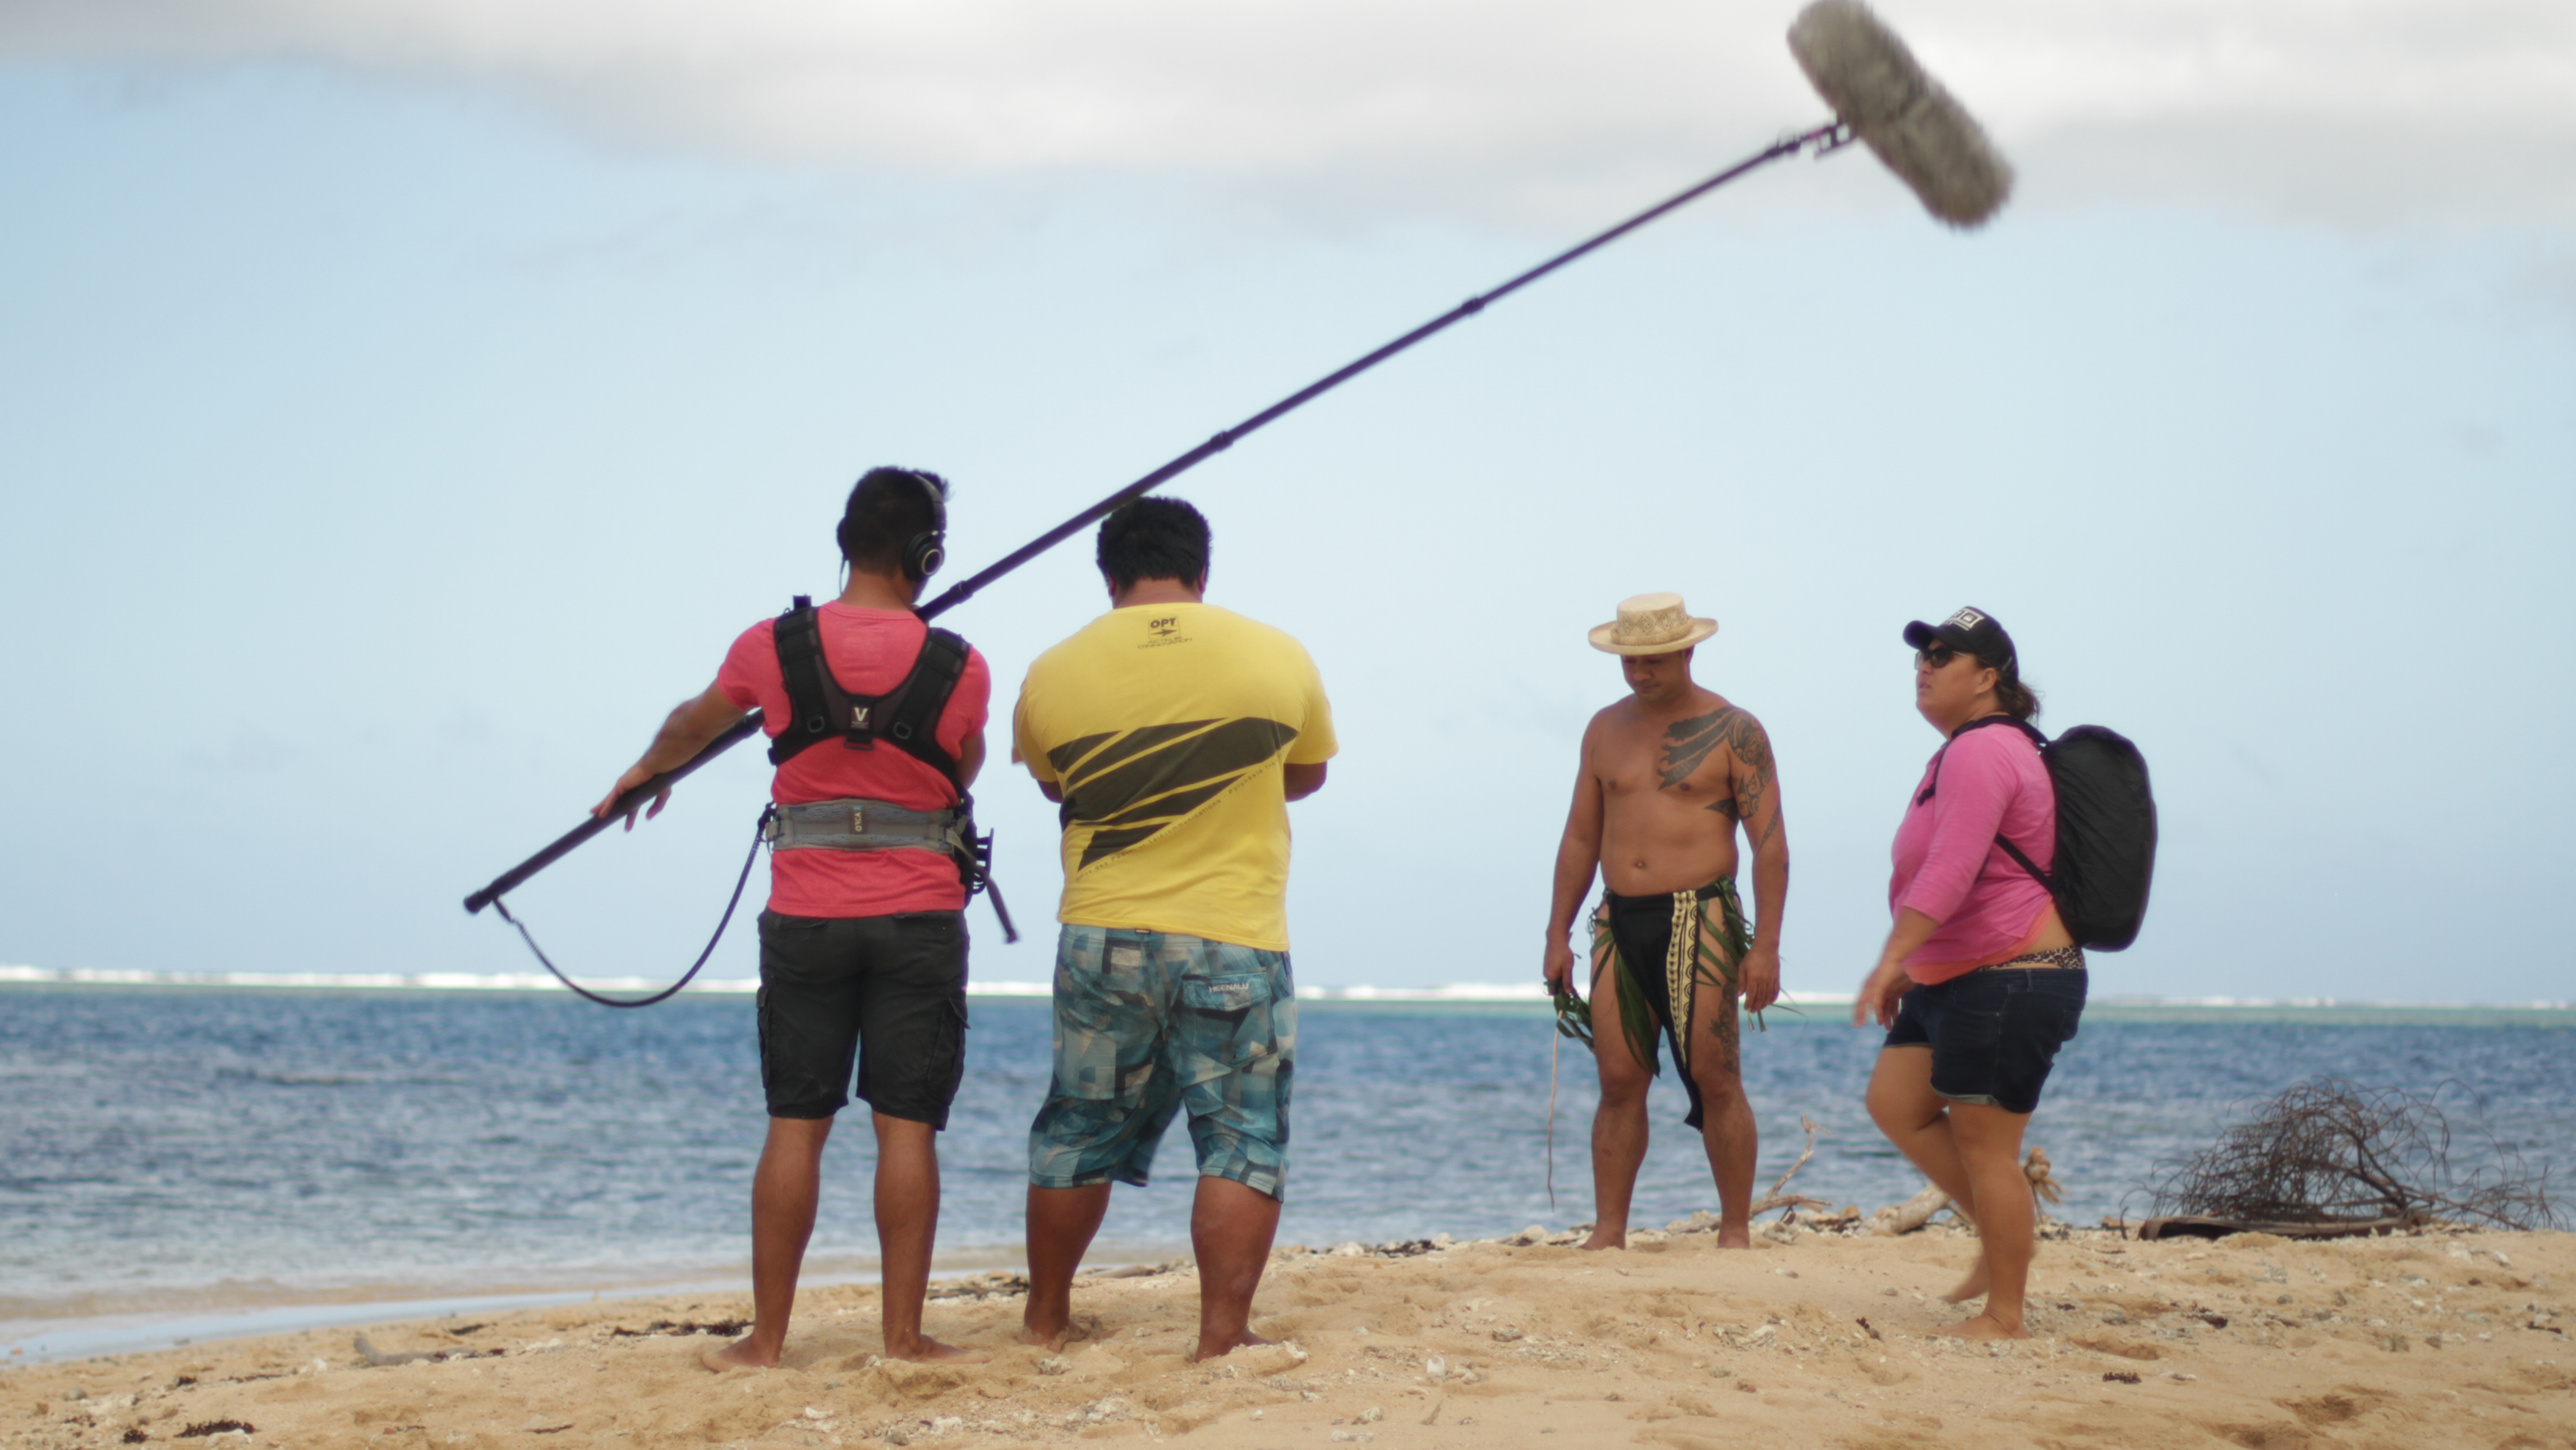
<point x="1148" y="1023"/>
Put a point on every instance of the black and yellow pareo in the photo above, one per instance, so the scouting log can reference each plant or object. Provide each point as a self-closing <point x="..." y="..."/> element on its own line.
<point x="1664" y="948"/>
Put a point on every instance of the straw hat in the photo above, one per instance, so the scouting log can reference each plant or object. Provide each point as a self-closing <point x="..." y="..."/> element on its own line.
<point x="1651" y="624"/>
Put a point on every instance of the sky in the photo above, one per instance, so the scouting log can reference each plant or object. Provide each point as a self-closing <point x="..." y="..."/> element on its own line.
<point x="403" y="404"/>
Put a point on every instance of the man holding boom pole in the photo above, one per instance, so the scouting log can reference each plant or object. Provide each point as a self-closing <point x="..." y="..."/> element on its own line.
<point x="876" y="725"/>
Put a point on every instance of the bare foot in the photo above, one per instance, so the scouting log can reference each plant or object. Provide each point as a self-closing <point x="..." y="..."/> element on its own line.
<point x="1060" y="1333"/>
<point x="1045" y="1336"/>
<point x="928" y="1348"/>
<point x="1974" y="1286"/>
<point x="1984" y="1326"/>
<point x="737" y="1355"/>
<point x="1735" y="1236"/>
<point x="1208" y="1349"/>
<point x="1604" y="1236"/>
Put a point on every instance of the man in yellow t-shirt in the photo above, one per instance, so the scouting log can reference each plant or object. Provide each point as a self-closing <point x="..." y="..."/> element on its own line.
<point x="1174" y="733"/>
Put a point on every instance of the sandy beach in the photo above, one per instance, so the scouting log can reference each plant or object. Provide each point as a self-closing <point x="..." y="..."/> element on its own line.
<point x="2437" y="1339"/>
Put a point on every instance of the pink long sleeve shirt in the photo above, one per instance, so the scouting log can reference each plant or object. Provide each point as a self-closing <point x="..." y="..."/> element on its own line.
<point x="1948" y="866"/>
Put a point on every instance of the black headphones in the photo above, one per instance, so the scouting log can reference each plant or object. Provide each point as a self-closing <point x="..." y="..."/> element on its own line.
<point x="924" y="552"/>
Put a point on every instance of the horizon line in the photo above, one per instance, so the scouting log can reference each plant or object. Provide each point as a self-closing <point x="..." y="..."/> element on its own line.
<point x="1525" y="993"/>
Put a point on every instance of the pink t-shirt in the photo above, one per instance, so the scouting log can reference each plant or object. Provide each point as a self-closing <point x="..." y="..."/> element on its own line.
<point x="869" y="651"/>
<point x="1948" y="866"/>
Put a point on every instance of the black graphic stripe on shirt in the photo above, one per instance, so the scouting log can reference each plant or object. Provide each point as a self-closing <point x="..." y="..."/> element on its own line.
<point x="1110" y="843"/>
<point x="1061" y="758"/>
<point x="1093" y="753"/>
<point x="1133" y="789"/>
<point x="1173" y="803"/>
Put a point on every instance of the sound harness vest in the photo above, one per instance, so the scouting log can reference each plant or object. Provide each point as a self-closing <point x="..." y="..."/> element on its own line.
<point x="905" y="717"/>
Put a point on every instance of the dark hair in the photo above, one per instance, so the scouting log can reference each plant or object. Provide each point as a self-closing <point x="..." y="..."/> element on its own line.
<point x="2018" y="700"/>
<point x="888" y="509"/>
<point x="1153" y="538"/>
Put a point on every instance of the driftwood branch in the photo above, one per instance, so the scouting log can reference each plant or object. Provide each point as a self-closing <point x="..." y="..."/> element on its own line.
<point x="1770" y="1201"/>
<point x="1804" y="1154"/>
<point x="1779" y="1196"/>
<point x="1906" y="1217"/>
<point x="1913" y="1213"/>
<point x="2186" y="1226"/>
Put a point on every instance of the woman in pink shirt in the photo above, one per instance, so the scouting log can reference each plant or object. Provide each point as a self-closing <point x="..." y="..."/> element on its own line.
<point x="1979" y="984"/>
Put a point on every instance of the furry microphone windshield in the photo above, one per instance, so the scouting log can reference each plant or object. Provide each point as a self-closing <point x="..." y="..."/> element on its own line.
<point x="1875" y="86"/>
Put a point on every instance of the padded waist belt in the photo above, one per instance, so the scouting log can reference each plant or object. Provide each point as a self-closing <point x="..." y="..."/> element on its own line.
<point x="863" y="825"/>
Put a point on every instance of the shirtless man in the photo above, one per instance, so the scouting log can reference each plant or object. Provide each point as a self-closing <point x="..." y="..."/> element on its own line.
<point x="1667" y="776"/>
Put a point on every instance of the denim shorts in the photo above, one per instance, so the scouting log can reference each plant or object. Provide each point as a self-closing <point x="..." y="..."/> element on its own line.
<point x="888" y="992"/>
<point x="1150" y="1023"/>
<point x="1994" y="1033"/>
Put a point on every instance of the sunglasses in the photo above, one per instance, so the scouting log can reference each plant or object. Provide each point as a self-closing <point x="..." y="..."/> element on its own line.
<point x="1936" y="655"/>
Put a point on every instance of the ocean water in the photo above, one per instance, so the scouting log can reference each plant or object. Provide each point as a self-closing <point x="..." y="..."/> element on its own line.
<point x="170" y="1151"/>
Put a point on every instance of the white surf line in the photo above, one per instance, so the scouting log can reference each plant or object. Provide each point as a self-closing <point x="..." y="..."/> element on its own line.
<point x="1499" y="992"/>
<point x="348" y="982"/>
<point x="539" y="982"/>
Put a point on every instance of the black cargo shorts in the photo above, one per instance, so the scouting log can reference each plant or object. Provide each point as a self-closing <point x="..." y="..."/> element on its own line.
<point x="887" y="993"/>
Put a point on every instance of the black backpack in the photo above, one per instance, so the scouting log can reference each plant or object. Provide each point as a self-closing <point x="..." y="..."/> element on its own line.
<point x="2106" y="830"/>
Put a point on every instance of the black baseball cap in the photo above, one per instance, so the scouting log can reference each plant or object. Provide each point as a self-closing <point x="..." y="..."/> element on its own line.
<point x="1972" y="631"/>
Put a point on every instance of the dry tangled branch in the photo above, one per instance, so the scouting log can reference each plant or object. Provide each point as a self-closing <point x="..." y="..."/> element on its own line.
<point x="2329" y="1152"/>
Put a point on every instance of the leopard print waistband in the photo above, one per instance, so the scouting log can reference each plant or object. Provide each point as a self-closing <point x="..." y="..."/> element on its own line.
<point x="2070" y="957"/>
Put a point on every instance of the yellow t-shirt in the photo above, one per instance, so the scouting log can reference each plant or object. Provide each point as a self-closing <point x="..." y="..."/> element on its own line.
<point x="1167" y="728"/>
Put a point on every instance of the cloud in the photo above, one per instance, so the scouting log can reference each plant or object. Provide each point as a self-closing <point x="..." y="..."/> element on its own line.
<point x="2363" y="113"/>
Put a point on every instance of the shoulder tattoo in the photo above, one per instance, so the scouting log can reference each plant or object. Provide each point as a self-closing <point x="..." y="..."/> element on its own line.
<point x="1687" y="744"/>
